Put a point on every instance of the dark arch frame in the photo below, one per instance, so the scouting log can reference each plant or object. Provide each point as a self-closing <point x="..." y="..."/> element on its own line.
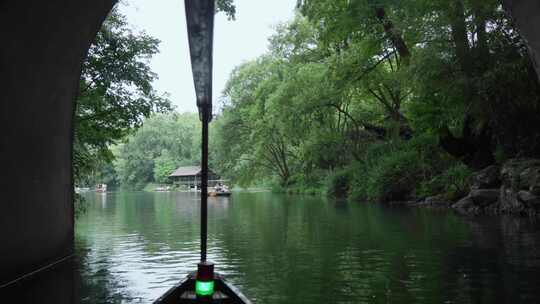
<point x="43" y="45"/>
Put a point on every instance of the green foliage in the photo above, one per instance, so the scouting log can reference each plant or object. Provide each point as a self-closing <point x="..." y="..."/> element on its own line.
<point x="164" y="165"/>
<point x="228" y="7"/>
<point x="80" y="205"/>
<point x="383" y="100"/>
<point x="457" y="181"/>
<point x="153" y="152"/>
<point x="115" y="96"/>
<point x="338" y="182"/>
<point x="454" y="183"/>
<point x="389" y="173"/>
<point x="301" y="183"/>
<point x="398" y="170"/>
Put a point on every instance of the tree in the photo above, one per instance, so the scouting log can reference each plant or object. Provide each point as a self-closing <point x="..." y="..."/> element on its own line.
<point x="377" y="90"/>
<point x="163" y="143"/>
<point x="115" y="93"/>
<point x="464" y="55"/>
<point x="227" y="6"/>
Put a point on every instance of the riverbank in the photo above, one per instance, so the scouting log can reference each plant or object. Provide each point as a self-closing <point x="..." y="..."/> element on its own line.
<point x="510" y="188"/>
<point x="153" y="187"/>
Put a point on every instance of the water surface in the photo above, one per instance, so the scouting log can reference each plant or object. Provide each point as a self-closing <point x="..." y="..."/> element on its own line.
<point x="132" y="247"/>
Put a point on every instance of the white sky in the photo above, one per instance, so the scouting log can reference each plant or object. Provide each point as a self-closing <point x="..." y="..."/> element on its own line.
<point x="234" y="41"/>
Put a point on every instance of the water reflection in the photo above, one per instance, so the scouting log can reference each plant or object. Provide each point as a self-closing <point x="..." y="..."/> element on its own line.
<point x="132" y="247"/>
<point x="294" y="249"/>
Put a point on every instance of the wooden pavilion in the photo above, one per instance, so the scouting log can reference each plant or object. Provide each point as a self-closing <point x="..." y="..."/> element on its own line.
<point x="191" y="177"/>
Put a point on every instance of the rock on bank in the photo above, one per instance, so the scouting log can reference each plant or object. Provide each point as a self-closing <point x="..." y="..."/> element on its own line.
<point x="513" y="188"/>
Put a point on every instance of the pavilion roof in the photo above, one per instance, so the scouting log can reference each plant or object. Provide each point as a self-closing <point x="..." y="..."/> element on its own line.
<point x="186" y="171"/>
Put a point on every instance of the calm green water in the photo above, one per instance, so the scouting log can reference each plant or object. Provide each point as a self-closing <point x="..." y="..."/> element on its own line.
<point x="132" y="247"/>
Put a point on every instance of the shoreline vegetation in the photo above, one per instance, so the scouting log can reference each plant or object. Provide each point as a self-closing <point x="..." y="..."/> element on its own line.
<point x="153" y="187"/>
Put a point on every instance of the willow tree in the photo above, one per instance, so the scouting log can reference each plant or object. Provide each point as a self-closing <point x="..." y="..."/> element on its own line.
<point x="461" y="66"/>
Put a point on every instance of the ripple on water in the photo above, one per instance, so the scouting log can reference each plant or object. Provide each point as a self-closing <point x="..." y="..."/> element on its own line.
<point x="293" y="249"/>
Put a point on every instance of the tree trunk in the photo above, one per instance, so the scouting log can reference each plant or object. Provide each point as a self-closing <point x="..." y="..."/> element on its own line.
<point x="526" y="15"/>
<point x="480" y="22"/>
<point x="474" y="149"/>
<point x="394" y="35"/>
<point x="459" y="36"/>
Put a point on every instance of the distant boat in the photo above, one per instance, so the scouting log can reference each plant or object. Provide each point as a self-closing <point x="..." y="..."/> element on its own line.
<point x="102" y="188"/>
<point x="81" y="189"/>
<point x="184" y="292"/>
<point x="163" y="189"/>
<point x="220" y="190"/>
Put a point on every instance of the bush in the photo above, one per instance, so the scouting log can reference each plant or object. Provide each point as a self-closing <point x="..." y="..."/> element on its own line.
<point x="457" y="181"/>
<point x="338" y="183"/>
<point x="391" y="178"/>
<point x="398" y="170"/>
<point x="300" y="184"/>
<point x="390" y="171"/>
<point x="453" y="183"/>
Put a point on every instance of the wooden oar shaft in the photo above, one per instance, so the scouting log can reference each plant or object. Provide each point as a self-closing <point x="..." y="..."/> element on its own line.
<point x="204" y="183"/>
